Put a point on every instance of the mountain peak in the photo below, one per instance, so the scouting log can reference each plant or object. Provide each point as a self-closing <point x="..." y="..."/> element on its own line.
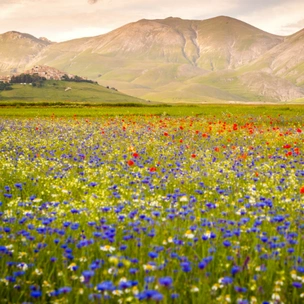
<point x="224" y="17"/>
<point x="45" y="40"/>
<point x="14" y="35"/>
<point x="175" y="18"/>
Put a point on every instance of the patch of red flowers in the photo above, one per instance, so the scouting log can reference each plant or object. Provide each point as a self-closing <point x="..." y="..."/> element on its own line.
<point x="130" y="162"/>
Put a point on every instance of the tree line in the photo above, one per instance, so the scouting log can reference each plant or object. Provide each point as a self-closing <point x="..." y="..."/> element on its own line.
<point x="5" y="86"/>
<point x="34" y="79"/>
<point x="76" y="79"/>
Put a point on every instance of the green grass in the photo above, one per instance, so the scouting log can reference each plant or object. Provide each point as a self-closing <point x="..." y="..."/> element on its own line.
<point x="178" y="110"/>
<point x="54" y="91"/>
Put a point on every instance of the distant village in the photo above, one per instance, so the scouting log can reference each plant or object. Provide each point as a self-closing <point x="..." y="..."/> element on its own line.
<point x="43" y="71"/>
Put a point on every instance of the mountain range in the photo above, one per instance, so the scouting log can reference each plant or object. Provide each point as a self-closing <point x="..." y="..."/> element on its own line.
<point x="174" y="60"/>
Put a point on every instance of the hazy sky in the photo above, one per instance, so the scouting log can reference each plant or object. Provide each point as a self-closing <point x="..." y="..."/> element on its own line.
<point x="60" y="20"/>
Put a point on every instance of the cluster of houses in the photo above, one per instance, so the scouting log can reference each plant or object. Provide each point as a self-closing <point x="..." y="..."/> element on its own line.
<point x="5" y="79"/>
<point x="43" y="71"/>
<point x="47" y="72"/>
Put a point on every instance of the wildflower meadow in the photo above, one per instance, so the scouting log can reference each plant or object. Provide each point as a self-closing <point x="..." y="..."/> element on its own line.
<point x="152" y="208"/>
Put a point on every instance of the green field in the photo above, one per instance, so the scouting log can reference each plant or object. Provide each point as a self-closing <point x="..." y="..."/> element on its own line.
<point x="197" y="205"/>
<point x="93" y="111"/>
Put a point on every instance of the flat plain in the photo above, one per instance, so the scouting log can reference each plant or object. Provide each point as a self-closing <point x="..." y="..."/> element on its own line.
<point x="172" y="204"/>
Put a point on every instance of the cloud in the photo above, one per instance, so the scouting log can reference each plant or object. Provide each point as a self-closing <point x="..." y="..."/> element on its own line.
<point x="272" y="15"/>
<point x="60" y="20"/>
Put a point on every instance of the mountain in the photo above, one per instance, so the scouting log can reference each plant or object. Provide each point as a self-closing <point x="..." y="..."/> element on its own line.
<point x="279" y="73"/>
<point x="176" y="60"/>
<point x="285" y="60"/>
<point x="17" y="50"/>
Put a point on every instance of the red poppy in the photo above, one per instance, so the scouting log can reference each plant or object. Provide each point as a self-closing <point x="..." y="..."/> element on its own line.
<point x="302" y="190"/>
<point x="243" y="156"/>
<point x="166" y="134"/>
<point x="288" y="153"/>
<point x="130" y="162"/>
<point x="152" y="169"/>
<point x="136" y="155"/>
<point x="193" y="155"/>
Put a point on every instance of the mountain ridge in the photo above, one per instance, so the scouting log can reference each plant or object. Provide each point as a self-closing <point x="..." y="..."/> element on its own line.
<point x="163" y="59"/>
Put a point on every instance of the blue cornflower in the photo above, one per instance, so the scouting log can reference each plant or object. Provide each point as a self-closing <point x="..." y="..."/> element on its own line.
<point x="186" y="266"/>
<point x="227" y="243"/>
<point x="235" y="270"/>
<point x="133" y="270"/>
<point x="300" y="269"/>
<point x="226" y="280"/>
<point x="125" y="284"/>
<point x="297" y="284"/>
<point x="87" y="275"/>
<point x="153" y="255"/>
<point x="165" y="281"/>
<point x="240" y="289"/>
<point x="64" y="290"/>
<point x="36" y="293"/>
<point x="18" y="186"/>
<point x="106" y="285"/>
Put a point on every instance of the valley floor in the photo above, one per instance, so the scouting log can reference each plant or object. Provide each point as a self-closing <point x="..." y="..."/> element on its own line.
<point x="153" y="204"/>
<point x="217" y="110"/>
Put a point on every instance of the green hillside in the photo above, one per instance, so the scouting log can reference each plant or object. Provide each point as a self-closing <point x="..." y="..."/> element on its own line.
<point x="56" y="91"/>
